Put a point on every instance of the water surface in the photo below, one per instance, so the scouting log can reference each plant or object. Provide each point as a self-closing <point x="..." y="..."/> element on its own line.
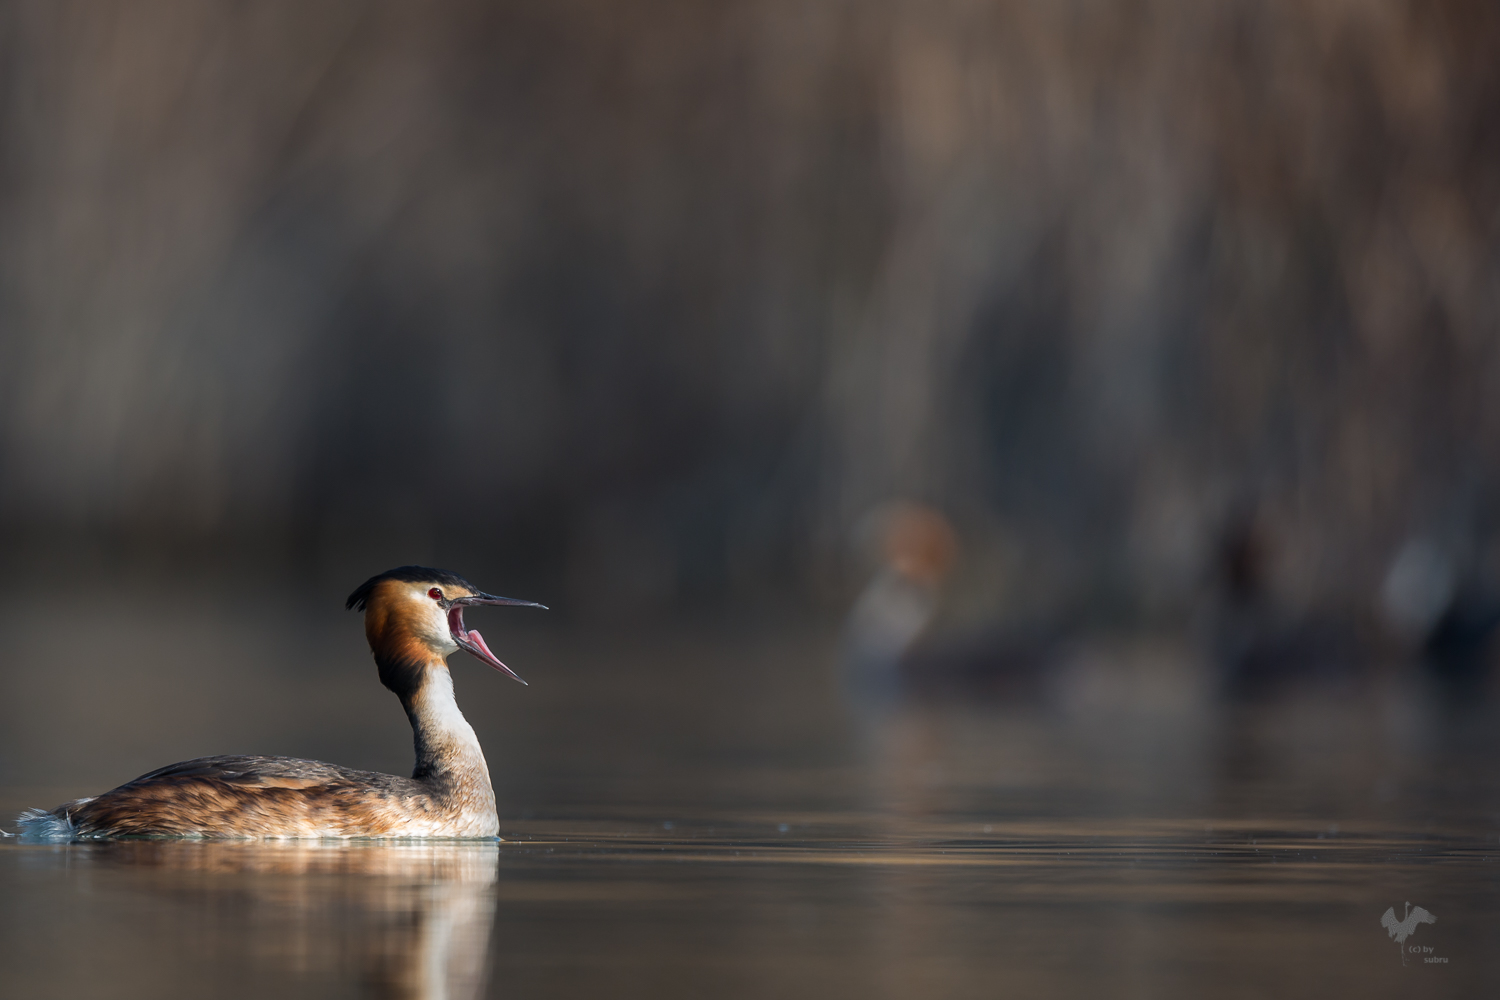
<point x="700" y="815"/>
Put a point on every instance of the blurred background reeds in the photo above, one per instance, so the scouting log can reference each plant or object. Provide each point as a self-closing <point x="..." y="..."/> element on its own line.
<point x="1168" y="311"/>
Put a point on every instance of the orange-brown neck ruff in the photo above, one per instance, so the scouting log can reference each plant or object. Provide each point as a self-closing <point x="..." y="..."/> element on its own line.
<point x="408" y="643"/>
<point x="405" y="641"/>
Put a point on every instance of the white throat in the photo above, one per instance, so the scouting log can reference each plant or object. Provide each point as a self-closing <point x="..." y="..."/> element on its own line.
<point x="449" y="758"/>
<point x="441" y="729"/>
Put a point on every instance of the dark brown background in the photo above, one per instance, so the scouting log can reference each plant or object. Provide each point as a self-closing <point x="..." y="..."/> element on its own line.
<point x="641" y="306"/>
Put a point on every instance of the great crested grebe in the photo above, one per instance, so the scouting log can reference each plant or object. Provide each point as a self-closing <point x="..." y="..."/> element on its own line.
<point x="414" y="618"/>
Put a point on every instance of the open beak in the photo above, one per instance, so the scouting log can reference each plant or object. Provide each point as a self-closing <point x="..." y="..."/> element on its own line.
<point x="472" y="640"/>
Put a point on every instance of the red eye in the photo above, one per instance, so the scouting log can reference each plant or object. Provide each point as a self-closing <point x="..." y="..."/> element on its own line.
<point x="435" y="594"/>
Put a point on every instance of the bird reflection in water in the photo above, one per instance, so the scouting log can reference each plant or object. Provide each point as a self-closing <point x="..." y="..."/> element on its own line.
<point x="409" y="919"/>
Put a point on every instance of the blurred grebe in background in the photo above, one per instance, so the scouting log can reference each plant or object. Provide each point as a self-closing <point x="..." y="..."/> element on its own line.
<point x="1446" y="608"/>
<point x="890" y="646"/>
<point x="914" y="547"/>
<point x="414" y="618"/>
<point x="1263" y="644"/>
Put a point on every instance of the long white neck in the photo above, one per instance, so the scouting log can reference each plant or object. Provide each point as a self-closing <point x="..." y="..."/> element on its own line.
<point x="447" y="749"/>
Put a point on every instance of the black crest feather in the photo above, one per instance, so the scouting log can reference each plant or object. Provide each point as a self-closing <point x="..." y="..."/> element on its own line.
<point x="406" y="574"/>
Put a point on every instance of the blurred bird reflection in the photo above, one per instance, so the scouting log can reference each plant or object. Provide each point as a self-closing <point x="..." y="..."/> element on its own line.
<point x="404" y="920"/>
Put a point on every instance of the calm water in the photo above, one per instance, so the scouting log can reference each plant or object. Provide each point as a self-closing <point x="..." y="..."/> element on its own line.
<point x="700" y="815"/>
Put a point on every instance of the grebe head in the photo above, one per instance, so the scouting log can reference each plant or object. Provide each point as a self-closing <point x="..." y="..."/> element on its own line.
<point x="414" y="615"/>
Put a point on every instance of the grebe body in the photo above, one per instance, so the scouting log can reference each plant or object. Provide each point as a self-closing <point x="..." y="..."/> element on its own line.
<point x="414" y="621"/>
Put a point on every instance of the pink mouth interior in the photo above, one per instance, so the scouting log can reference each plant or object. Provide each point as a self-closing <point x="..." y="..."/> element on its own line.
<point x="474" y="642"/>
<point x="478" y="640"/>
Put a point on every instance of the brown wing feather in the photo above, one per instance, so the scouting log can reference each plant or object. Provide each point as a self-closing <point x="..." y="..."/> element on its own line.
<point x="243" y="796"/>
<point x="249" y="769"/>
